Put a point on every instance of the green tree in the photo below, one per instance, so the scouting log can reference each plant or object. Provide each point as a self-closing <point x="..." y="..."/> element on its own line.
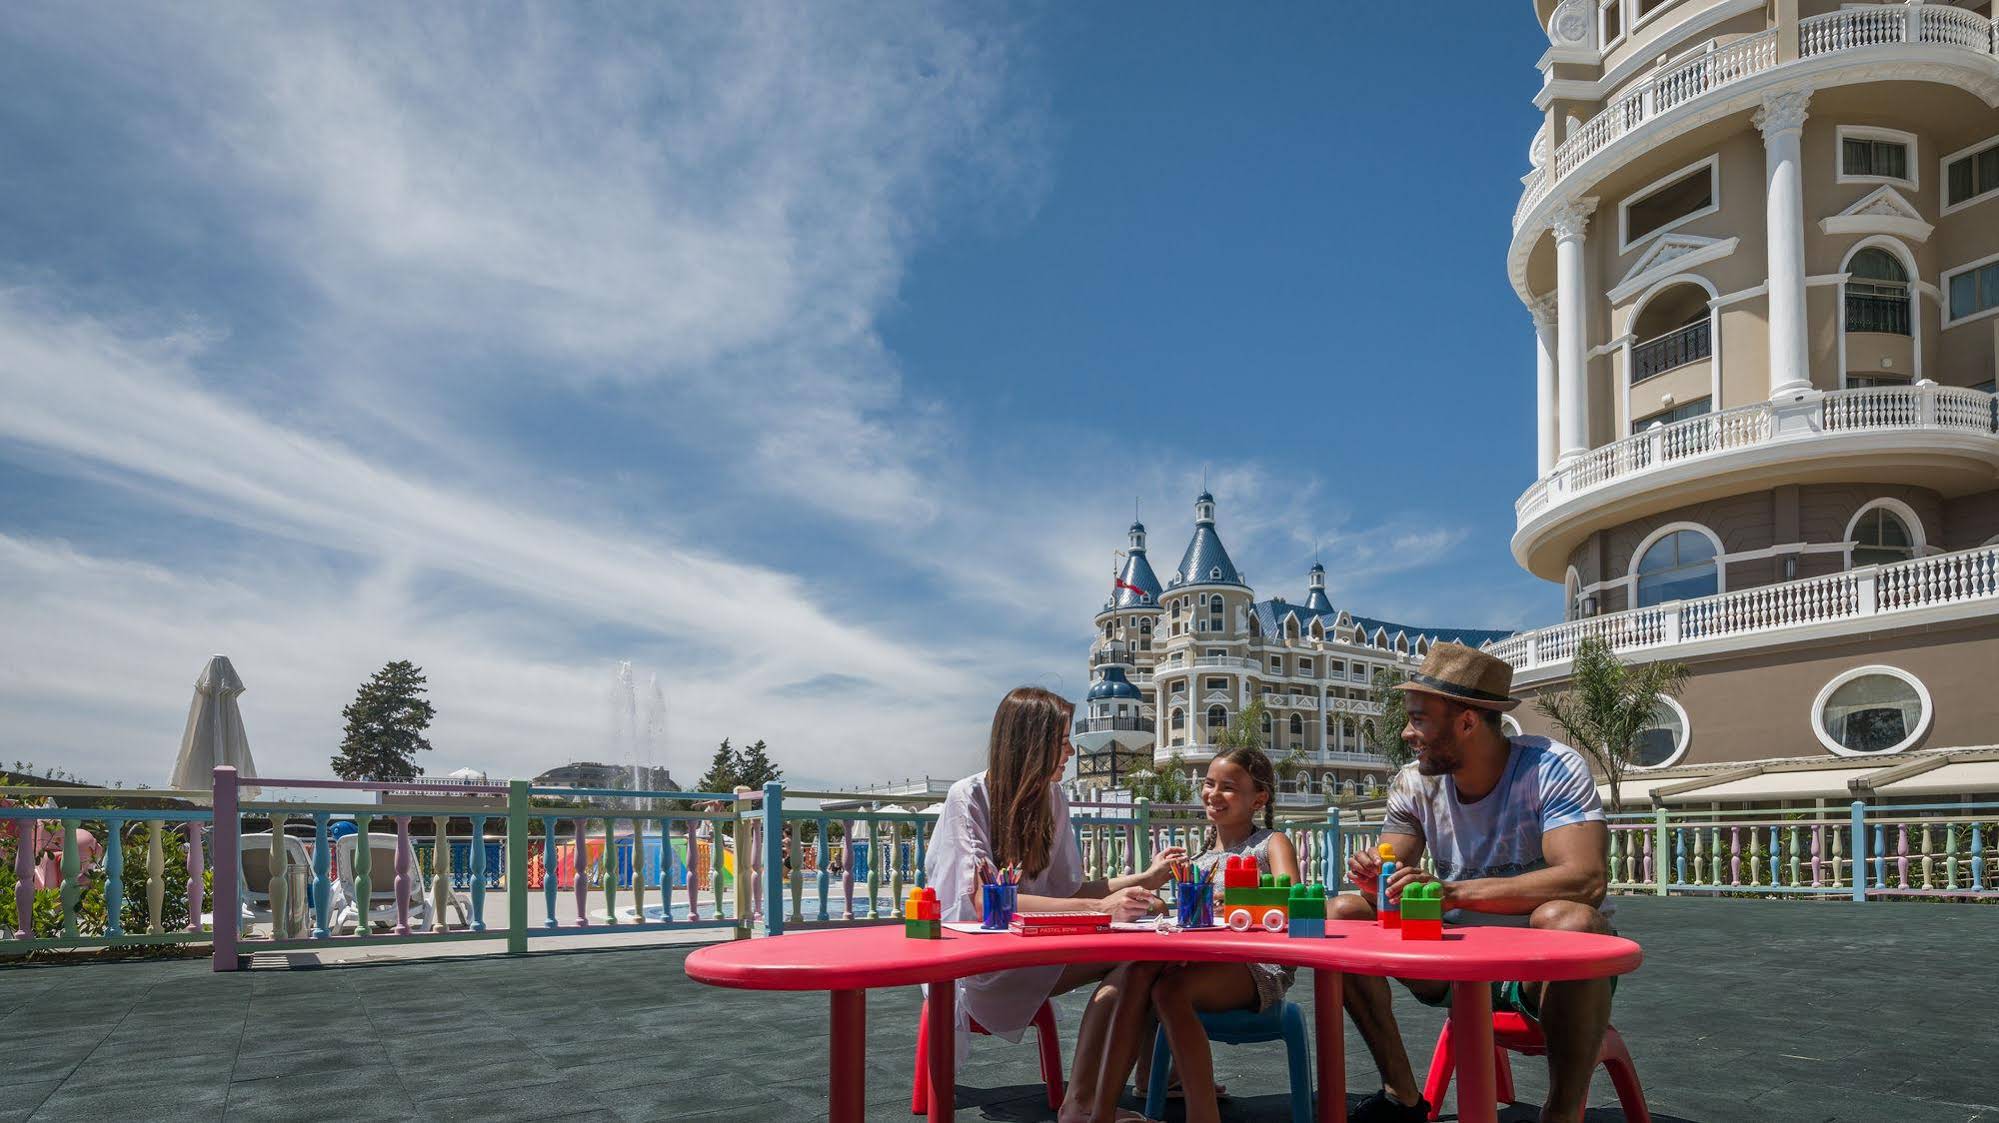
<point x="1167" y="785"/>
<point x="1394" y="715"/>
<point x="724" y="771"/>
<point x="1607" y="704"/>
<point x="385" y="725"/>
<point x="1246" y="731"/>
<point x="754" y="768"/>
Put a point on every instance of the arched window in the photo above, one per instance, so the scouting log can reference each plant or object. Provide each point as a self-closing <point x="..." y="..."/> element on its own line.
<point x="1297" y="726"/>
<point x="1179" y="720"/>
<point x="1332" y="727"/>
<point x="1877" y="293"/>
<point x="1176" y="610"/>
<point x="1679" y="566"/>
<point x="1266" y="723"/>
<point x="1673" y="329"/>
<point x="1218" y="719"/>
<point x="1881" y="535"/>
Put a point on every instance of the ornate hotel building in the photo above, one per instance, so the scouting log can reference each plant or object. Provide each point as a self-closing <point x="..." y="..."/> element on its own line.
<point x="1760" y="246"/>
<point x="1173" y="664"/>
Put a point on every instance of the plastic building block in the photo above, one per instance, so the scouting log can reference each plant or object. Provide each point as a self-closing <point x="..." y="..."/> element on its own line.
<point x="1423" y="911"/>
<point x="922" y="915"/>
<point x="1307" y="928"/>
<point x="1308" y="901"/>
<point x="1239" y="873"/>
<point x="1385" y="909"/>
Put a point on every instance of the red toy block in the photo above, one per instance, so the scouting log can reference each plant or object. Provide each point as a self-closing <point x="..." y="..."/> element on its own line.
<point x="929" y="907"/>
<point x="1413" y="929"/>
<point x="1240" y="873"/>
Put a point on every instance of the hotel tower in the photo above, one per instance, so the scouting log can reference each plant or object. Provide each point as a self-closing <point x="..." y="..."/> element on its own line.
<point x="1759" y="243"/>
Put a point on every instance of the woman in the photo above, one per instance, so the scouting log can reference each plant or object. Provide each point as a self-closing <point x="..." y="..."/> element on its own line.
<point x="1014" y="814"/>
<point x="1240" y="788"/>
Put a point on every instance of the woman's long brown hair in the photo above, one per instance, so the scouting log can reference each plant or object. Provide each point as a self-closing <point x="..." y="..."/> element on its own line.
<point x="1029" y="730"/>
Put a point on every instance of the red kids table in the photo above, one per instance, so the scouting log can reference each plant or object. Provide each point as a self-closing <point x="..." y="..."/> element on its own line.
<point x="848" y="961"/>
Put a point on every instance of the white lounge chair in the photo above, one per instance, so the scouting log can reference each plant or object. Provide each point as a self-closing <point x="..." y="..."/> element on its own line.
<point x="254" y="872"/>
<point x="381" y="903"/>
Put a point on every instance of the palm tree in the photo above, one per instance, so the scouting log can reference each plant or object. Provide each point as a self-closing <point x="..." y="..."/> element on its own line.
<point x="1608" y="704"/>
<point x="1394" y="715"/>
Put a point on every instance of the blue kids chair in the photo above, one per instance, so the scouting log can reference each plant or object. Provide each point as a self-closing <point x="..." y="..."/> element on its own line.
<point x="1283" y="1022"/>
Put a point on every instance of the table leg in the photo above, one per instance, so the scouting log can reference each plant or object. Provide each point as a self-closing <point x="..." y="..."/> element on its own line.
<point x="1471" y="1044"/>
<point x="1328" y="1035"/>
<point x="943" y="1017"/>
<point x="846" y="1080"/>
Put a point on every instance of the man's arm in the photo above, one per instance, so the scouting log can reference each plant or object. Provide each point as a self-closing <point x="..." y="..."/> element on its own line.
<point x="1364" y="868"/>
<point x="1575" y="872"/>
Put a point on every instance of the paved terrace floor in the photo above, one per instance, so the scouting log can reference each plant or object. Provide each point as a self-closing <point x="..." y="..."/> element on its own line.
<point x="1745" y="1010"/>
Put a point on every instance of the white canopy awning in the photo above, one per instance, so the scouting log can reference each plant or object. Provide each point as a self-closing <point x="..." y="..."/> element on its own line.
<point x="214" y="735"/>
<point x="1815" y="783"/>
<point x="1965" y="777"/>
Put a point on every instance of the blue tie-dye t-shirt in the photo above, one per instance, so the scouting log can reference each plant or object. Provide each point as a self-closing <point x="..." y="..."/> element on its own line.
<point x="1546" y="785"/>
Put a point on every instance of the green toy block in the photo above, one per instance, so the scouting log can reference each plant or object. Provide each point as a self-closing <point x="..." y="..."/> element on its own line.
<point x="923" y="929"/>
<point x="1423" y="901"/>
<point x="1274" y="881"/>
<point x="1262" y="895"/>
<point x="1308" y="901"/>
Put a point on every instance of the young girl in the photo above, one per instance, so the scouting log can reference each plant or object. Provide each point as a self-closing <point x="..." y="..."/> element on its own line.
<point x="1240" y="789"/>
<point x="1014" y="814"/>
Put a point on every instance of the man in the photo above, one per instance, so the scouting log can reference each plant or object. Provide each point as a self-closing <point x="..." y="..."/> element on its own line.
<point x="1518" y="837"/>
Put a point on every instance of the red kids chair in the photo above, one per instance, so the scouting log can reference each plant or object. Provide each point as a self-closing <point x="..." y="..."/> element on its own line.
<point x="1045" y="1040"/>
<point x="1512" y="1032"/>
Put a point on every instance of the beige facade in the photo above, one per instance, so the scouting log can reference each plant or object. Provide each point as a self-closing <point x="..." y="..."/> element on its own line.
<point x="1760" y="244"/>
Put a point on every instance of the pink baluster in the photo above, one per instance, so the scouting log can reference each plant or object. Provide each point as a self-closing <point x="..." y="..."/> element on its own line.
<point x="402" y="874"/>
<point x="194" y="860"/>
<point x="1818" y="835"/>
<point x="1902" y="853"/>
<point x="24" y="878"/>
<point x="1646" y="849"/>
<point x="582" y="881"/>
<point x="714" y="863"/>
<point x="1735" y="855"/>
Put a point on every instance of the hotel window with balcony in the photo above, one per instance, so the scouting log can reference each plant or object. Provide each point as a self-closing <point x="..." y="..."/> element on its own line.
<point x="1218" y="721"/>
<point x="1880" y="536"/>
<point x="1179" y="720"/>
<point x="1972" y="290"/>
<point x="1970" y="175"/>
<point x="1675" y="329"/>
<point x="1877" y="293"/>
<point x="1679" y="566"/>
<point x="1680" y="412"/>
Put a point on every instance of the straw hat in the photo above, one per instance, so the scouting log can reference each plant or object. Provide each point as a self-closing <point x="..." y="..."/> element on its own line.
<point x="1465" y="676"/>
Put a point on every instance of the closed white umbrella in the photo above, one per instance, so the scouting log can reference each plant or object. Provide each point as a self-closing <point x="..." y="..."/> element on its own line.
<point x="214" y="734"/>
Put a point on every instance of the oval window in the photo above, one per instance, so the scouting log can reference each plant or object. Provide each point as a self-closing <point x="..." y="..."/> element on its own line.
<point x="1871" y="710"/>
<point x="1662" y="741"/>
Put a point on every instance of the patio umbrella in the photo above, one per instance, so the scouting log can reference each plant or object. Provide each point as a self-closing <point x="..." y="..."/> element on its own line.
<point x="214" y="734"/>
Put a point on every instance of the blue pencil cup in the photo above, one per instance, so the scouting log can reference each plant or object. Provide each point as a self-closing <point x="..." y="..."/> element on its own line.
<point x="1193" y="907"/>
<point x="996" y="903"/>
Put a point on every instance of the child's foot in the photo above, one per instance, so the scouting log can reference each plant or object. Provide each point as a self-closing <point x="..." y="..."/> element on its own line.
<point x="1384" y="1108"/>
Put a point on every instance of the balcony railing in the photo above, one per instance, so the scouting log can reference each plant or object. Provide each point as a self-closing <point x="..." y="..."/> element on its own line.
<point x="1922" y="408"/>
<point x="1114" y="725"/>
<point x="1111" y="655"/>
<point x="1886" y="314"/>
<point x="1676" y="348"/>
<point x="1724" y="65"/>
<point x="1871" y="596"/>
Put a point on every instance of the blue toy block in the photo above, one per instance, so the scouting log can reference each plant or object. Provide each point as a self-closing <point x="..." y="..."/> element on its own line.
<point x="1307" y="928"/>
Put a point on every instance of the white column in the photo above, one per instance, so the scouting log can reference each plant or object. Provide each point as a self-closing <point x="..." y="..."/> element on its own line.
<point x="1547" y="430"/>
<point x="1569" y="219"/>
<point x="1782" y="120"/>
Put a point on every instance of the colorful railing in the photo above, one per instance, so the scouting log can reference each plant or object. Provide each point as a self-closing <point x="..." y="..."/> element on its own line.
<point x="564" y="867"/>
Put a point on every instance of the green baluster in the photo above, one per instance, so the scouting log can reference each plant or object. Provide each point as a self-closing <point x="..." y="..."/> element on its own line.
<point x="1950" y="857"/>
<point x="156" y="882"/>
<point x="894" y="858"/>
<point x="797" y="878"/>
<point x="364" y="885"/>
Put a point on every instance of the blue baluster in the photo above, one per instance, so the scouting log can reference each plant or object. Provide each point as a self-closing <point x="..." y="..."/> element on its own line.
<point x="920" y="833"/>
<point x="825" y="875"/>
<point x="1680" y="857"/>
<point x="478" y="849"/>
<point x="1880" y="854"/>
<point x="1856" y="859"/>
<point x="114" y="883"/>
<point x="667" y="881"/>
<point x="1978" y="857"/>
<point x="548" y="870"/>
<point x="1776" y="858"/>
<point x="322" y="879"/>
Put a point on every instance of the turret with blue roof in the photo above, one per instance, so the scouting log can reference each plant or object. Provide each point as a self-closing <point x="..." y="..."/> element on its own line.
<point x="1137" y="586"/>
<point x="1206" y="562"/>
<point x="1271" y="615"/>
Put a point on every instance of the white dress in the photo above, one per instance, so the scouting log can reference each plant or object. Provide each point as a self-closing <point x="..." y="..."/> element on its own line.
<point x="1004" y="1002"/>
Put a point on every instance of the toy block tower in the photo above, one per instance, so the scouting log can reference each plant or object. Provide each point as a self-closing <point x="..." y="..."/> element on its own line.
<point x="1386" y="909"/>
<point x="1249" y="900"/>
<point x="922" y="915"/>
<point x="1423" y="911"/>
<point x="1307" y="909"/>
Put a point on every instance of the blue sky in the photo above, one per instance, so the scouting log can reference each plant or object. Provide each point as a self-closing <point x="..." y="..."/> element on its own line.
<point x="811" y="358"/>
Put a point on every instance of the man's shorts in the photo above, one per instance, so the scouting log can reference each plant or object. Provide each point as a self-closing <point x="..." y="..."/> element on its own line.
<point x="1507" y="996"/>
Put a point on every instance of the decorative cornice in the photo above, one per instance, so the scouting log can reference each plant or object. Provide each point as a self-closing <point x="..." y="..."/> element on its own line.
<point x="1672" y="253"/>
<point x="1572" y="23"/>
<point x="1881" y="211"/>
<point x="1784" y="111"/>
<point x="1569" y="218"/>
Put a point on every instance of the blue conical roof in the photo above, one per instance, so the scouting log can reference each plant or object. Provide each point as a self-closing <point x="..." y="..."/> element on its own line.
<point x="1137" y="576"/>
<point x="1315" y="601"/>
<point x="1206" y="562"/>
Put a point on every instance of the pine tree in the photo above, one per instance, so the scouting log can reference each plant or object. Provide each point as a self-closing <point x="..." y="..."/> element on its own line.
<point x="754" y="768"/>
<point x="385" y="725"/>
<point x="724" y="772"/>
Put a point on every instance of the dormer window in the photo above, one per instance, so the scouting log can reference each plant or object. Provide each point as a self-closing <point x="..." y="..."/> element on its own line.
<point x="1215" y="574"/>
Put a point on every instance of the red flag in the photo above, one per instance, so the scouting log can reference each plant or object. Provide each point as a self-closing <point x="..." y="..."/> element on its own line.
<point x="1119" y="582"/>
